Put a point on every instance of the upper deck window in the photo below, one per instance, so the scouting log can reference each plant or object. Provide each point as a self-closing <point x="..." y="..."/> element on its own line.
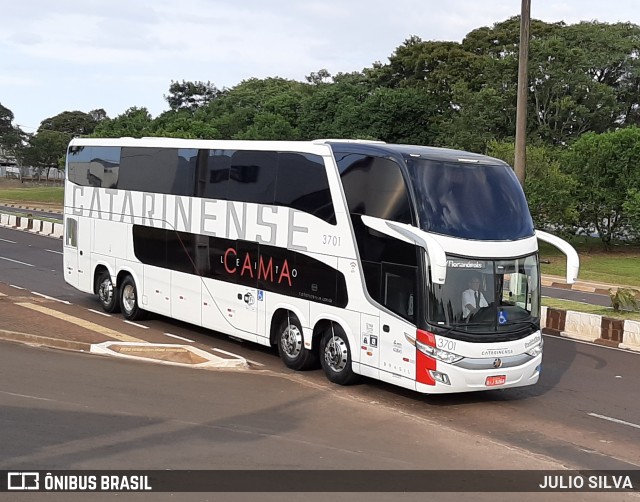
<point x="374" y="186"/>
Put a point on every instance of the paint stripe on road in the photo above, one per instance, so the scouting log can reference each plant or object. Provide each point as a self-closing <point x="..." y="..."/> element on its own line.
<point x="16" y="261"/>
<point x="615" y="420"/>
<point x="98" y="312"/>
<point x="51" y="298"/>
<point x="136" y="324"/>
<point x="83" y="323"/>
<point x="7" y="240"/>
<point x="52" y="251"/>
<point x="179" y="337"/>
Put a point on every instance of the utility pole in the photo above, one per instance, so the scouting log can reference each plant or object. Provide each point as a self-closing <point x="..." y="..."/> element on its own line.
<point x="523" y="82"/>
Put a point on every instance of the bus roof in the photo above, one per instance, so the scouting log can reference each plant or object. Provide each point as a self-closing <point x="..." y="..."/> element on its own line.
<point x="424" y="152"/>
<point x="316" y="146"/>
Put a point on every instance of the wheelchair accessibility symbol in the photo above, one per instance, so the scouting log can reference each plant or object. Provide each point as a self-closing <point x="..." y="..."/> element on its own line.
<point x="502" y="317"/>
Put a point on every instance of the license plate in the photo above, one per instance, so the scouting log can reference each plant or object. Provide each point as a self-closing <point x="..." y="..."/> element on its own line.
<point x="492" y="381"/>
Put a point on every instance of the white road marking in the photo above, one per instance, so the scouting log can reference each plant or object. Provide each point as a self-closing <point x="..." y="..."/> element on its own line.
<point x="179" y="337"/>
<point x="615" y="420"/>
<point x="136" y="324"/>
<point x="51" y="298"/>
<point x="7" y="240"/>
<point x="235" y="355"/>
<point x="52" y="251"/>
<point x="98" y="312"/>
<point x="26" y="396"/>
<point x="14" y="286"/>
<point x="16" y="261"/>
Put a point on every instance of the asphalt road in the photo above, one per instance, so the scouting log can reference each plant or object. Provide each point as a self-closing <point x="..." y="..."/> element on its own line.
<point x="63" y="410"/>
<point x="584" y="412"/>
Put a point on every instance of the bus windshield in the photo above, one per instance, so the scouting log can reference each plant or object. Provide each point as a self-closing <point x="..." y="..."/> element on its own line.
<point x="469" y="200"/>
<point x="486" y="296"/>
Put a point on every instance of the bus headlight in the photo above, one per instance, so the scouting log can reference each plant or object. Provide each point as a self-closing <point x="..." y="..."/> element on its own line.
<point x="536" y="350"/>
<point x="439" y="354"/>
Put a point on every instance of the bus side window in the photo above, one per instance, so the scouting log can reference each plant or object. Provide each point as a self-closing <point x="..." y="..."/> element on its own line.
<point x="95" y="166"/>
<point x="72" y="233"/>
<point x="302" y="184"/>
<point x="375" y="187"/>
<point x="252" y="177"/>
<point x="213" y="174"/>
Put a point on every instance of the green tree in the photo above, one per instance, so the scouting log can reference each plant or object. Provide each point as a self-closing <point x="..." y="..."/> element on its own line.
<point x="605" y="167"/>
<point x="12" y="138"/>
<point x="134" y="122"/>
<point x="236" y="109"/>
<point x="547" y="188"/>
<point x="74" y="123"/>
<point x="46" y="151"/>
<point x="191" y="95"/>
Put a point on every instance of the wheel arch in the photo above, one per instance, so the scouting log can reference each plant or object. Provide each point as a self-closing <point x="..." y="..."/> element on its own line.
<point x="325" y="323"/>
<point x="279" y="314"/>
<point x="99" y="268"/>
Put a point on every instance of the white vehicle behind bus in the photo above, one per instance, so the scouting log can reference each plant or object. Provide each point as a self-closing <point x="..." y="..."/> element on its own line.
<point x="413" y="265"/>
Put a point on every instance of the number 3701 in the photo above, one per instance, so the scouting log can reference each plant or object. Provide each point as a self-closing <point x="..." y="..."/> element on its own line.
<point x="330" y="240"/>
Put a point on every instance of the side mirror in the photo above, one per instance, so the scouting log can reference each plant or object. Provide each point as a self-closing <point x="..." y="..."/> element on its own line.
<point x="573" y="260"/>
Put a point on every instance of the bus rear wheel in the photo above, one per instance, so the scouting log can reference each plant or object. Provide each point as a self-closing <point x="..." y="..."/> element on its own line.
<point x="108" y="295"/>
<point x="335" y="357"/>
<point x="129" y="300"/>
<point x="290" y="340"/>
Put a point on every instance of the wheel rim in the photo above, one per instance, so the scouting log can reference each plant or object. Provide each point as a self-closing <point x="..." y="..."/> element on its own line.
<point x="291" y="341"/>
<point x="105" y="291"/>
<point x="336" y="354"/>
<point x="128" y="297"/>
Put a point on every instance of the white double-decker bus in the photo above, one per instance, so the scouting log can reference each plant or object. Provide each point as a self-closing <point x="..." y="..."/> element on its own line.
<point x="413" y="265"/>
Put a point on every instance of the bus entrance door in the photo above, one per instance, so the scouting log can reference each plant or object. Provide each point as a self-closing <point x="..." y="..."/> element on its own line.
<point x="397" y="353"/>
<point x="77" y="253"/>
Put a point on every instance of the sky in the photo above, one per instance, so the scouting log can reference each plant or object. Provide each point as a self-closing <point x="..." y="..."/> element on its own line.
<point x="67" y="55"/>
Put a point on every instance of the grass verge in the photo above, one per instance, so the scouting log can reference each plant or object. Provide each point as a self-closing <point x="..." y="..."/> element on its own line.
<point x="35" y="195"/>
<point x="618" y="265"/>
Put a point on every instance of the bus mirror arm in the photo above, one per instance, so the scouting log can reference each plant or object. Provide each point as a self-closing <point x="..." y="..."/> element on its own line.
<point x="407" y="233"/>
<point x="573" y="260"/>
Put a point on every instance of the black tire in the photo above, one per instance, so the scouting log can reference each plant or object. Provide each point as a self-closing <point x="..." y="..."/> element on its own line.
<point x="289" y="339"/>
<point x="108" y="294"/>
<point x="129" y="300"/>
<point x="335" y="357"/>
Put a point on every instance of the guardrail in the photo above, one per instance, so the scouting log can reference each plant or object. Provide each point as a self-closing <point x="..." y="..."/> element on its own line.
<point x="37" y="226"/>
<point x="594" y="328"/>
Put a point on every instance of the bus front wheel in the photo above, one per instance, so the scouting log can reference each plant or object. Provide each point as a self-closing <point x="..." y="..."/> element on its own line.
<point x="108" y="295"/>
<point x="129" y="300"/>
<point x="289" y="338"/>
<point x="335" y="357"/>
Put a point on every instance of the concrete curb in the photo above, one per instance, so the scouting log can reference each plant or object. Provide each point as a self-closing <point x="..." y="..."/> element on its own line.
<point x="166" y="353"/>
<point x="553" y="282"/>
<point x="31" y="208"/>
<point x="593" y="328"/>
<point x="36" y="226"/>
<point x="152" y="352"/>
